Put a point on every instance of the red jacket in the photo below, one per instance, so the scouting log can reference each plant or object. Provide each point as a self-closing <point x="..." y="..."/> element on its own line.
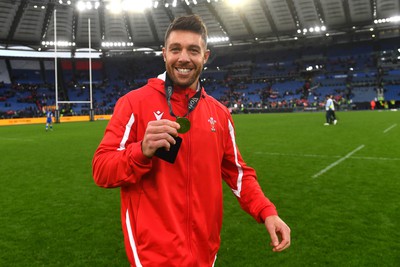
<point x="172" y="213"/>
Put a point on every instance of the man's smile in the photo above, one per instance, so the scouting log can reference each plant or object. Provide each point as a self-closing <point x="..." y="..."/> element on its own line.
<point x="183" y="70"/>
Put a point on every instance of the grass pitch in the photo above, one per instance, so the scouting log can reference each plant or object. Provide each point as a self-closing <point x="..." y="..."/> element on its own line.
<point x="338" y="188"/>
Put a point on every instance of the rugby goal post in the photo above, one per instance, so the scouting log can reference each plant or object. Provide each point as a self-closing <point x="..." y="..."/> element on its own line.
<point x="57" y="111"/>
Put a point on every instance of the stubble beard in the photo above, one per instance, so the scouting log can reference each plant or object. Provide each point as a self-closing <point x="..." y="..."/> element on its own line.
<point x="186" y="82"/>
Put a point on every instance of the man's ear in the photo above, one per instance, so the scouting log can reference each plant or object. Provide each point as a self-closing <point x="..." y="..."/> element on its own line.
<point x="163" y="53"/>
<point x="206" y="56"/>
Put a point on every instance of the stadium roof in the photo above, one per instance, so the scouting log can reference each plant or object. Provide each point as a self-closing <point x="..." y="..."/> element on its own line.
<point x="123" y="24"/>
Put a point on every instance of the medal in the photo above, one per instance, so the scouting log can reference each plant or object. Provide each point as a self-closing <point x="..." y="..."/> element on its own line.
<point x="184" y="123"/>
<point x="193" y="101"/>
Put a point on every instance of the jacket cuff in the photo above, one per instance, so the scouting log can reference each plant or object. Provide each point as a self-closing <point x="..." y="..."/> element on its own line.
<point x="137" y="154"/>
<point x="267" y="211"/>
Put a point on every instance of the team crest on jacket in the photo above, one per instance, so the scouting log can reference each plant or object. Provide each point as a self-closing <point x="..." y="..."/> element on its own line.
<point x="212" y="123"/>
<point x="158" y="114"/>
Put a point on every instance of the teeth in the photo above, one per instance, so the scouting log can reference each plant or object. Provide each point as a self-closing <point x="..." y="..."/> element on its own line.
<point x="183" y="70"/>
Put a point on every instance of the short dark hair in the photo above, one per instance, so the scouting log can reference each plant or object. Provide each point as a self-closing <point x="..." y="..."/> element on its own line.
<point x="192" y="23"/>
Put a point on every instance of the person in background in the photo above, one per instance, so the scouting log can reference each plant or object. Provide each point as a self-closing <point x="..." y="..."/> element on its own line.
<point x="168" y="147"/>
<point x="332" y="107"/>
<point x="330" y="111"/>
<point x="49" y="120"/>
<point x="373" y="104"/>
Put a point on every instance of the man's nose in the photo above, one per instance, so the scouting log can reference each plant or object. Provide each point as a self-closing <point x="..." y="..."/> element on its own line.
<point x="184" y="56"/>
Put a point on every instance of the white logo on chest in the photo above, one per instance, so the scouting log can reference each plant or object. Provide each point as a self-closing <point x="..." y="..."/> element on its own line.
<point x="158" y="114"/>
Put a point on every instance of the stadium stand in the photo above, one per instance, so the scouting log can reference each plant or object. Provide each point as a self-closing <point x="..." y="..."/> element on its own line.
<point x="354" y="73"/>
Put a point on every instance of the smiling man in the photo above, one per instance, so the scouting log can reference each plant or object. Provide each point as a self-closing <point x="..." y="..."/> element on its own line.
<point x="185" y="53"/>
<point x="169" y="146"/>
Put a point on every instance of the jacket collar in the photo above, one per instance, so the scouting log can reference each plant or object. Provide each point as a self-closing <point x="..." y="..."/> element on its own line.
<point x="185" y="91"/>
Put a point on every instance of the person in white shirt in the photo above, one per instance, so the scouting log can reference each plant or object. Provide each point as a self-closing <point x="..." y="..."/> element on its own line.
<point x="330" y="111"/>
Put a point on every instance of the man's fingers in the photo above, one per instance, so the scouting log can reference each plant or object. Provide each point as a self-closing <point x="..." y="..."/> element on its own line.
<point x="159" y="134"/>
<point x="170" y="140"/>
<point x="279" y="233"/>
<point x="284" y="236"/>
<point x="284" y="243"/>
<point x="163" y="126"/>
<point x="274" y="239"/>
<point x="155" y="141"/>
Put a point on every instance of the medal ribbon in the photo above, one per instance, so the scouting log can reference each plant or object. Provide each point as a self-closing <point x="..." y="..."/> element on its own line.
<point x="169" y="89"/>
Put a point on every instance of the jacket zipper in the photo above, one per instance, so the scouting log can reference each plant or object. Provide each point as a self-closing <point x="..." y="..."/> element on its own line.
<point x="188" y="191"/>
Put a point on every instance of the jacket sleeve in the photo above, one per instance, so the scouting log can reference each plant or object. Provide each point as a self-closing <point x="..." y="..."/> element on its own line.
<point x="118" y="159"/>
<point x="242" y="180"/>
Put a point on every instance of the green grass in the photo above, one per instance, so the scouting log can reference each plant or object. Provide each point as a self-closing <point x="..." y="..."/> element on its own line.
<point x="338" y="188"/>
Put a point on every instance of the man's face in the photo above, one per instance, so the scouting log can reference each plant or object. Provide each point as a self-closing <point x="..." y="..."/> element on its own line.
<point x="185" y="54"/>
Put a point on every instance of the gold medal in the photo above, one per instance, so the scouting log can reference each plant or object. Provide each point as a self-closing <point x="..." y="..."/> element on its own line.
<point x="192" y="103"/>
<point x="184" y="123"/>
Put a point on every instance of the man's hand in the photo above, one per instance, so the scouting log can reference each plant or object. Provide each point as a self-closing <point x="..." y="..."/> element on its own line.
<point x="279" y="233"/>
<point x="159" y="134"/>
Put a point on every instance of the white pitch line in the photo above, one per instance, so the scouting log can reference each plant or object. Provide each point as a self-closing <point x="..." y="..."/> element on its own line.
<point x="321" y="156"/>
<point x="337" y="162"/>
<point x="295" y="155"/>
<point x="390" y="128"/>
<point x="375" y="158"/>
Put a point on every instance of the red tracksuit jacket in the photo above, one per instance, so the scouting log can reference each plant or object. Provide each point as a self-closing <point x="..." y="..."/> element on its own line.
<point x="172" y="213"/>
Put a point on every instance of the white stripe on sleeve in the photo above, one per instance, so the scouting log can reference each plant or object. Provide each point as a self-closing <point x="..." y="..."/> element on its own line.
<point x="127" y="132"/>
<point x="239" y="167"/>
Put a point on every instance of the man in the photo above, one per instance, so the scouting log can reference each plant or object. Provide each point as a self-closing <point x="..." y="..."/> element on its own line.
<point x="330" y="111"/>
<point x="49" y="120"/>
<point x="332" y="108"/>
<point x="171" y="209"/>
<point x="373" y="104"/>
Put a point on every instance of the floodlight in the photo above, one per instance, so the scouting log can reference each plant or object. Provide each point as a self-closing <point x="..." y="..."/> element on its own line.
<point x="89" y="5"/>
<point x="217" y="39"/>
<point x="394" y="19"/>
<point x="80" y="6"/>
<point x="136" y="5"/>
<point x="114" y="7"/>
<point x="235" y="2"/>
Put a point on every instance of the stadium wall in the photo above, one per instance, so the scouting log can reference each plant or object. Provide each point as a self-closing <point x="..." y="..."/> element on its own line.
<point x="42" y="120"/>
